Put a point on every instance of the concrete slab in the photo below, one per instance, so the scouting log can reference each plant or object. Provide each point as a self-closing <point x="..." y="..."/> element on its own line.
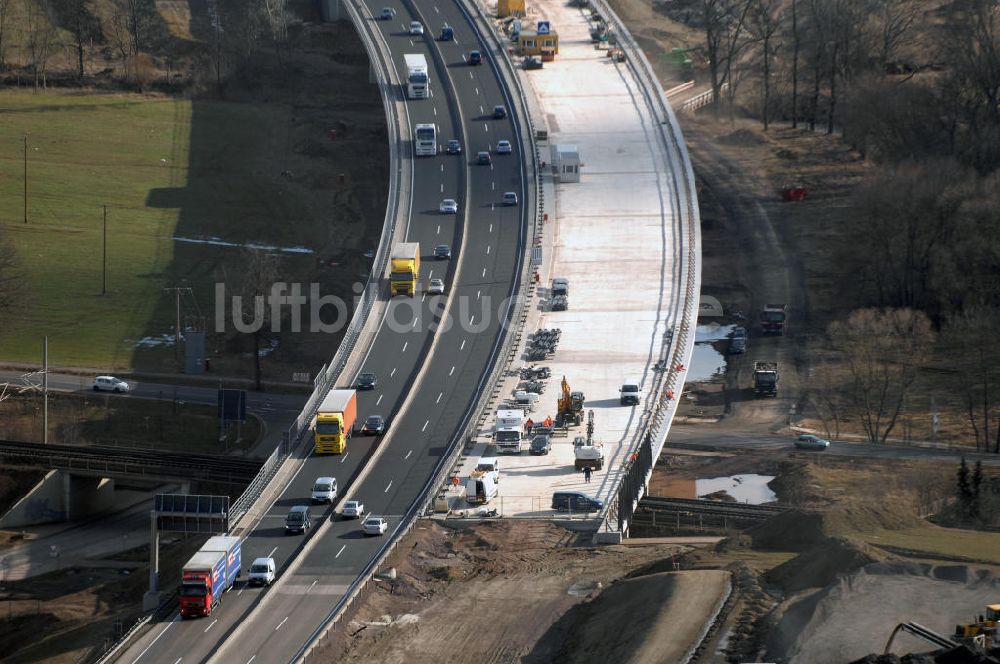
<point x="611" y="237"/>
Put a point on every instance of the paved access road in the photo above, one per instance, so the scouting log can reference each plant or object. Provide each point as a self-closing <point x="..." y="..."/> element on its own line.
<point x="711" y="437"/>
<point x="486" y="240"/>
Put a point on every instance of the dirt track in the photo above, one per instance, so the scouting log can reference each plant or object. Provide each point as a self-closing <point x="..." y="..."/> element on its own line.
<point x="513" y="591"/>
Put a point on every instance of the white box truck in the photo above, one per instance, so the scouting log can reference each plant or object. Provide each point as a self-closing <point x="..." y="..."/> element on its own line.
<point x="509" y="431"/>
<point x="418" y="78"/>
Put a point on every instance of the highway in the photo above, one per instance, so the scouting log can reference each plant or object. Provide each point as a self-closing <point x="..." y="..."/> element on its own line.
<point x="487" y="241"/>
<point x="711" y="437"/>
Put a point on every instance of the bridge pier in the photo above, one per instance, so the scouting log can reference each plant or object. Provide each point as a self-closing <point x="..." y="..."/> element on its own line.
<point x="64" y="496"/>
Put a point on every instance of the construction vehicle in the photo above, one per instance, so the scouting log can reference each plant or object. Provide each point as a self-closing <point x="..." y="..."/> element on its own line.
<point x="335" y="421"/>
<point x="772" y="319"/>
<point x="404" y="268"/>
<point x="765" y="379"/>
<point x="586" y="452"/>
<point x="570" y="406"/>
<point x="982" y="633"/>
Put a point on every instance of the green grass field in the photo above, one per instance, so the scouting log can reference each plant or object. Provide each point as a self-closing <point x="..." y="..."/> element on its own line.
<point x="164" y="168"/>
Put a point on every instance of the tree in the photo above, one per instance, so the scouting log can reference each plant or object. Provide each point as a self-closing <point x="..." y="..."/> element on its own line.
<point x="894" y="20"/>
<point x="258" y="280"/>
<point x="78" y="18"/>
<point x="795" y="63"/>
<point x="40" y="37"/>
<point x="972" y="335"/>
<point x="964" y="488"/>
<point x="724" y="20"/>
<point x="4" y="11"/>
<point x="763" y="23"/>
<point x="976" y="486"/>
<point x="883" y="349"/>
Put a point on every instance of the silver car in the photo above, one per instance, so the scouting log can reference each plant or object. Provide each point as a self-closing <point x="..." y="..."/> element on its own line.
<point x="416" y="28"/>
<point x="375" y="525"/>
<point x="510" y="198"/>
<point x="807" y="441"/>
<point x="449" y="206"/>
<point x="435" y="287"/>
<point x="503" y="147"/>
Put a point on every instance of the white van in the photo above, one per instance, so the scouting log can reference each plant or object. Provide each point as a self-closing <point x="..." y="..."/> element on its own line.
<point x="480" y="490"/>
<point x="324" y="490"/>
<point x="489" y="466"/>
<point x="261" y="571"/>
<point x="630" y="392"/>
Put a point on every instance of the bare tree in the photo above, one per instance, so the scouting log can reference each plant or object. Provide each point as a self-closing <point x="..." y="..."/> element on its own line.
<point x="77" y="16"/>
<point x="827" y="394"/>
<point x="795" y="63"/>
<point x="978" y="371"/>
<point x="4" y="12"/>
<point x="260" y="274"/>
<point x="41" y="33"/>
<point x="763" y="22"/>
<point x="279" y="19"/>
<point x="883" y="349"/>
<point x="724" y="21"/>
<point x="894" y="21"/>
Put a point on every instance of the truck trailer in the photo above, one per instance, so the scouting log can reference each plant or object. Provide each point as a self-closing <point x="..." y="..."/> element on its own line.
<point x="209" y="573"/>
<point x="418" y="78"/>
<point x="765" y="379"/>
<point x="404" y="269"/>
<point x="335" y="421"/>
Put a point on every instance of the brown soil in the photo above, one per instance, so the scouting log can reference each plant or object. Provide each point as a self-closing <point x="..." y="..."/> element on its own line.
<point x="823" y="564"/>
<point x="461" y="594"/>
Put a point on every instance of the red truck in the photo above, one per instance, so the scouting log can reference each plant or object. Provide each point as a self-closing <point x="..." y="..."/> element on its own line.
<point x="210" y="572"/>
<point x="772" y="319"/>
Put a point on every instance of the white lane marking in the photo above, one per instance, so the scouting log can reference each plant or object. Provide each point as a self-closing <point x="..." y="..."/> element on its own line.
<point x="436" y="10"/>
<point x="478" y="293"/>
<point x="252" y="658"/>
<point x="470" y="74"/>
<point x="487" y="250"/>
<point x="493" y="186"/>
<point x="280" y="624"/>
<point x="442" y="168"/>
<point x="442" y="187"/>
<point x="344" y="458"/>
<point x="435" y="110"/>
<point x="424" y="428"/>
<point x="482" y="110"/>
<point x="417" y="320"/>
<point x="311" y="585"/>
<point x="272" y="552"/>
<point x="439" y="397"/>
<point x="155" y="640"/>
<point x="486" y="126"/>
<point x="392" y="373"/>
<point x="405" y="344"/>
<point x="411" y="43"/>
<point x="462" y="346"/>
<point x="472" y="321"/>
<point x="211" y="625"/>
<point x="387" y="487"/>
<point x="178" y="660"/>
<point x="477" y="91"/>
<point x="455" y="39"/>
<point x="439" y="229"/>
<point x="341" y="551"/>
<point x="491" y="167"/>
<point x="493" y="207"/>
<point x="452" y="371"/>
<point x="240" y="592"/>
<point x="430" y="274"/>
<point x="484" y="272"/>
<point x="379" y="399"/>
<point x="407" y="455"/>
<point x="491" y="227"/>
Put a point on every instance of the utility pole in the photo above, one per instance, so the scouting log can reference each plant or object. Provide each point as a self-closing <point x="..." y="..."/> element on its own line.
<point x="25" y="177"/>
<point x="177" y="324"/>
<point x="45" y="391"/>
<point x="104" y="255"/>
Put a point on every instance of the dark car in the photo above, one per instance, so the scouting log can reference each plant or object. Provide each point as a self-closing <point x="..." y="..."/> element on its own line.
<point x="484" y="159"/>
<point x="298" y="520"/>
<point x="442" y="251"/>
<point x="541" y="444"/>
<point x="367" y="381"/>
<point x="475" y="58"/>
<point x="531" y="62"/>
<point x="374" y="426"/>
<point x="499" y="112"/>
<point x="575" y="501"/>
<point x="453" y="147"/>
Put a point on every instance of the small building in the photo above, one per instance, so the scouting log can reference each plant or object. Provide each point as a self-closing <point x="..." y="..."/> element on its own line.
<point x="566" y="163"/>
<point x="543" y="41"/>
<point x="507" y="8"/>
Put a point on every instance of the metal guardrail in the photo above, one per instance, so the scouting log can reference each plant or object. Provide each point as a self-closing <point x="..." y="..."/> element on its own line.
<point x="701" y="100"/>
<point x="678" y="343"/>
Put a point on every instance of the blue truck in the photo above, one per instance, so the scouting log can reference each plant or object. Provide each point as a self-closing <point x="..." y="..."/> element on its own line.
<point x="211" y="571"/>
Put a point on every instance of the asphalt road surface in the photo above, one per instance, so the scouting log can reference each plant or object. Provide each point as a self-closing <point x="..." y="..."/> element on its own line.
<point x="710" y="437"/>
<point x="486" y="241"/>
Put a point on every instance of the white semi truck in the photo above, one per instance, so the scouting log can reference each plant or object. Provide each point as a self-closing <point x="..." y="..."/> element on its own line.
<point x="418" y="78"/>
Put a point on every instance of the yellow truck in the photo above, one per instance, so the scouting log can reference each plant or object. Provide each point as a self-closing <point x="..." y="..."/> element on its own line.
<point x="335" y="421"/>
<point x="404" y="268"/>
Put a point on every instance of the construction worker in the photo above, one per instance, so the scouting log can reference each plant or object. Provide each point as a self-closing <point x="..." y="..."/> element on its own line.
<point x="548" y="421"/>
<point x="529" y="425"/>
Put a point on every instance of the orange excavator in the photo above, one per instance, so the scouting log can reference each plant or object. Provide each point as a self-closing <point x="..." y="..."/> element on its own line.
<point x="570" y="406"/>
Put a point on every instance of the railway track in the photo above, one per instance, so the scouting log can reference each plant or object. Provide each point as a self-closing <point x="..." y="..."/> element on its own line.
<point x="117" y="462"/>
<point x="736" y="511"/>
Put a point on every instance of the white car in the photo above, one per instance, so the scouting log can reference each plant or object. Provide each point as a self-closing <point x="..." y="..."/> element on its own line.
<point x="111" y="384"/>
<point x="436" y="287"/>
<point x="416" y="28"/>
<point x="375" y="525"/>
<point x="324" y="490"/>
<point x="449" y="206"/>
<point x="503" y="147"/>
<point x="261" y="572"/>
<point x="353" y="509"/>
<point x="510" y="198"/>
